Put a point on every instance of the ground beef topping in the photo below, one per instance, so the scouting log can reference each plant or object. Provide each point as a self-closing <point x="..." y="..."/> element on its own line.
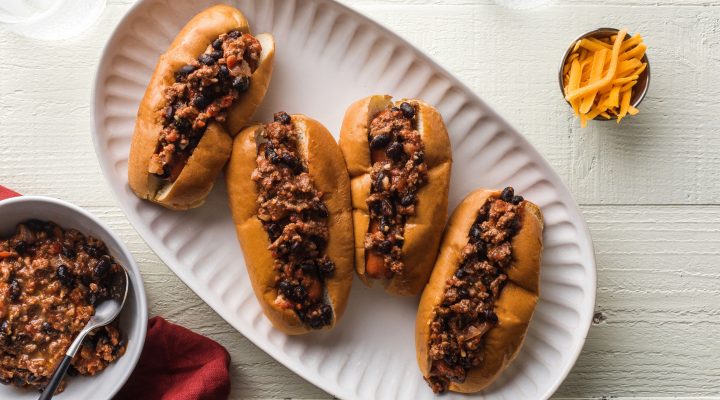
<point x="467" y="311"/>
<point x="50" y="280"/>
<point x="203" y="91"/>
<point x="295" y="218"/>
<point x="398" y="172"/>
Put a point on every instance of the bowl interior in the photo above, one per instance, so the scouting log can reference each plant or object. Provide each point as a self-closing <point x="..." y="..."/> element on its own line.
<point x="641" y="87"/>
<point x="133" y="317"/>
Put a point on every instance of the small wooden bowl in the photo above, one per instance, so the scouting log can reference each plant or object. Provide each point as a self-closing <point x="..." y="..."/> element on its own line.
<point x="640" y="88"/>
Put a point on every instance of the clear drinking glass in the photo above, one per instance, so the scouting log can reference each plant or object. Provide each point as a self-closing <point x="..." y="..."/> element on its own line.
<point x="49" y="19"/>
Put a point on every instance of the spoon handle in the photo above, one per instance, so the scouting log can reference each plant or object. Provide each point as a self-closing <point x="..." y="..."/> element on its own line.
<point x="62" y="368"/>
<point x="57" y="376"/>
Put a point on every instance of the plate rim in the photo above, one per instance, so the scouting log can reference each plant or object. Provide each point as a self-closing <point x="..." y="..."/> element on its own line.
<point x="585" y="320"/>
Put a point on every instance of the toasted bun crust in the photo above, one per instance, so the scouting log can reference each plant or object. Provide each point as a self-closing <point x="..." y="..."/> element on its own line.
<point x="326" y="167"/>
<point x="199" y="174"/>
<point x="517" y="301"/>
<point x="422" y="230"/>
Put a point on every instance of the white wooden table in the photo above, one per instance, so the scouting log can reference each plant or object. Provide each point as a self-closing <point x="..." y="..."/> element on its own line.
<point x="649" y="189"/>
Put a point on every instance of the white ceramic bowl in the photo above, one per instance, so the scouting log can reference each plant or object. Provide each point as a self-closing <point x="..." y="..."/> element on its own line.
<point x="133" y="318"/>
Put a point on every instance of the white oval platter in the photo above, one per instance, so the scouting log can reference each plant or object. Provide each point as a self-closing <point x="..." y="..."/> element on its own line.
<point x="327" y="57"/>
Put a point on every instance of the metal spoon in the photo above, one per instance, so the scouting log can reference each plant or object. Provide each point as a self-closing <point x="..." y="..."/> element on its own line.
<point x="105" y="313"/>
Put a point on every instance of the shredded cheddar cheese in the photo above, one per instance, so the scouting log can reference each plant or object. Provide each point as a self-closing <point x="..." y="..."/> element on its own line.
<point x="600" y="73"/>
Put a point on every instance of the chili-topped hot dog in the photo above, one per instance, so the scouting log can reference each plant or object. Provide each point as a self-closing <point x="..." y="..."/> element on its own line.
<point x="399" y="159"/>
<point x="205" y="88"/>
<point x="475" y="310"/>
<point x="290" y="198"/>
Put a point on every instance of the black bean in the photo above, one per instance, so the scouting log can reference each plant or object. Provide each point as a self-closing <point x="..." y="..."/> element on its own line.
<point x="407" y="110"/>
<point x="234" y="34"/>
<point x="270" y="153"/>
<point x="169" y="112"/>
<point x="463" y="293"/>
<point x="379" y="185"/>
<point x="182" y="124"/>
<point x="376" y="207"/>
<point x="103" y="266"/>
<point x="166" y="172"/>
<point x="18" y="381"/>
<point x="483" y="214"/>
<point x="322" y="316"/>
<point x="460" y="273"/>
<point x="91" y="298"/>
<point x="379" y="141"/>
<point x="322" y="210"/>
<point x="308" y="267"/>
<point x="289" y="160"/>
<point x="241" y="83"/>
<point x="224" y="72"/>
<point x="282" y="249"/>
<point x="515" y="226"/>
<point x="407" y="200"/>
<point x="385" y="247"/>
<point x="200" y="101"/>
<point x="395" y="151"/>
<point x="326" y="313"/>
<point x="319" y="241"/>
<point x="285" y="288"/>
<point x="490" y="315"/>
<point x="450" y="358"/>
<point x="297" y="247"/>
<point x="282" y="117"/>
<point x="475" y="232"/>
<point x="507" y="194"/>
<point x="15" y="289"/>
<point x="65" y="276"/>
<point x="386" y="223"/>
<point x="274" y="230"/>
<point x="517" y="200"/>
<point x="217" y="54"/>
<point x="36" y="225"/>
<point x="186" y="70"/>
<point x="327" y="268"/>
<point x="21" y="247"/>
<point x="212" y="91"/>
<point x="5" y="328"/>
<point x="299" y="293"/>
<point x="217" y="44"/>
<point x="207" y="59"/>
<point x="419" y="158"/>
<point x="47" y="327"/>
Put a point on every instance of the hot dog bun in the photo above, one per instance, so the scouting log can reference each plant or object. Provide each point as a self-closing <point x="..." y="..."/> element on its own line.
<point x="326" y="167"/>
<point x="516" y="302"/>
<point x="423" y="229"/>
<point x="202" y="168"/>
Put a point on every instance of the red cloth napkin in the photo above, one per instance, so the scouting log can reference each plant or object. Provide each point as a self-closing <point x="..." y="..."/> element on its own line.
<point x="175" y="364"/>
<point x="6" y="193"/>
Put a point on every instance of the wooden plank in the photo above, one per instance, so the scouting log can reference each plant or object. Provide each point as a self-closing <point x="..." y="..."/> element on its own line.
<point x="669" y="154"/>
<point x="659" y="329"/>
